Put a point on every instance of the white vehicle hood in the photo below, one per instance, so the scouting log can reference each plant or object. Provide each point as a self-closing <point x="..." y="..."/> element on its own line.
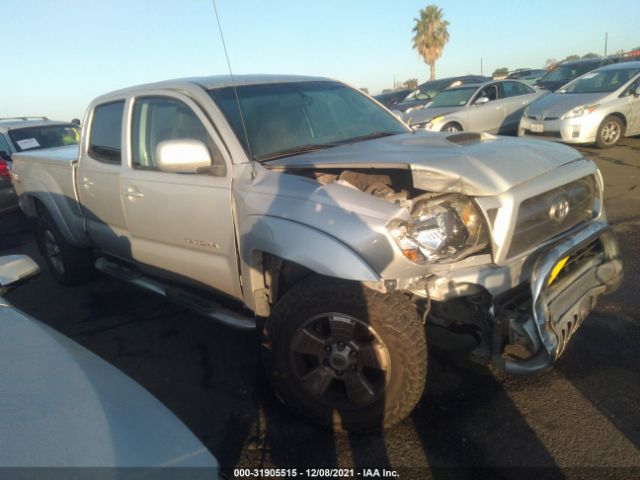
<point x="61" y="405"/>
<point x="554" y="105"/>
<point x="443" y="162"/>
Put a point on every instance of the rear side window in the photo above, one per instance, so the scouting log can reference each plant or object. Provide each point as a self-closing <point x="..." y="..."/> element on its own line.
<point x="4" y="145"/>
<point x="106" y="132"/>
<point x="513" y="89"/>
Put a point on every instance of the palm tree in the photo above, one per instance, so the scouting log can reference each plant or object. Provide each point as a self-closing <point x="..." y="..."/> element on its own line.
<point x="430" y="35"/>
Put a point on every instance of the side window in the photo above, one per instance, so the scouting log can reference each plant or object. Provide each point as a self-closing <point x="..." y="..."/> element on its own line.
<point x="156" y="119"/>
<point x="4" y="145"/>
<point x="490" y="91"/>
<point x="106" y="131"/>
<point x="513" y="89"/>
<point x="628" y="91"/>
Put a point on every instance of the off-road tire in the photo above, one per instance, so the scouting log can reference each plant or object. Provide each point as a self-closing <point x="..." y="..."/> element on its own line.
<point x="73" y="265"/>
<point x="604" y="137"/>
<point x="395" y="321"/>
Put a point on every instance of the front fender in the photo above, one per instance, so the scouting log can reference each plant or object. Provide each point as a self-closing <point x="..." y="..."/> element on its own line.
<point x="305" y="246"/>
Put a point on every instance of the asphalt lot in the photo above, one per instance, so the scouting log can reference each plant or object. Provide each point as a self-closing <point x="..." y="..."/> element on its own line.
<point x="581" y="418"/>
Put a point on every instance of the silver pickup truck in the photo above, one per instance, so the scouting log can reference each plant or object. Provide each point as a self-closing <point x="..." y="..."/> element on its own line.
<point x="303" y="209"/>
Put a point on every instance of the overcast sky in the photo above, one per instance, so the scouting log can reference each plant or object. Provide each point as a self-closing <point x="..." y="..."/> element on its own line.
<point x="59" y="54"/>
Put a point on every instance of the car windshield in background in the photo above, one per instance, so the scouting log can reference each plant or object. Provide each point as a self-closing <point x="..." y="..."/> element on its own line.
<point x="456" y="97"/>
<point x="601" y="82"/>
<point x="283" y="119"/>
<point x="564" y="73"/>
<point x="34" y="138"/>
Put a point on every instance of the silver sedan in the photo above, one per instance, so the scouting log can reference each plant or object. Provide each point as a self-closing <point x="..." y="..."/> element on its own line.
<point x="599" y="107"/>
<point x="493" y="107"/>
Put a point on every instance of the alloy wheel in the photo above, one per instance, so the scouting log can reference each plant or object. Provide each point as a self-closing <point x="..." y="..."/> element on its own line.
<point x="340" y="360"/>
<point x="610" y="132"/>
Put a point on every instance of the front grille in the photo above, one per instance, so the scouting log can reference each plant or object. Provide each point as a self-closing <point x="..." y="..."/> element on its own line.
<point x="533" y="117"/>
<point x="551" y="134"/>
<point x="552" y="213"/>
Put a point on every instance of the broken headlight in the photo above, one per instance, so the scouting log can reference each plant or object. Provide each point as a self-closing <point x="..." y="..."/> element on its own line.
<point x="445" y="228"/>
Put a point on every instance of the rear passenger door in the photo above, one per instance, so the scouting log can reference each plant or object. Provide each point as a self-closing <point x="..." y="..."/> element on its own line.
<point x="181" y="224"/>
<point x="516" y="98"/>
<point x="98" y="179"/>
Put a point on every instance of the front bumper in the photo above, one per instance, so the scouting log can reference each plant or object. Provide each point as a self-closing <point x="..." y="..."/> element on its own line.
<point x="544" y="316"/>
<point x="571" y="130"/>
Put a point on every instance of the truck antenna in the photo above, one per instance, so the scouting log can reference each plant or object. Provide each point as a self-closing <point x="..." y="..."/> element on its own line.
<point x="233" y="82"/>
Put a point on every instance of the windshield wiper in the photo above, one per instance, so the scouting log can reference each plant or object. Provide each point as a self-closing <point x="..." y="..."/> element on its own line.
<point x="288" y="152"/>
<point x="362" y="138"/>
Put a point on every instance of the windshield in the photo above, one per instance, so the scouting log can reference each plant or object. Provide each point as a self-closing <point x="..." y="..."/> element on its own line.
<point x="34" y="138"/>
<point x="566" y="73"/>
<point x="288" y="118"/>
<point x="456" y="97"/>
<point x="601" y="82"/>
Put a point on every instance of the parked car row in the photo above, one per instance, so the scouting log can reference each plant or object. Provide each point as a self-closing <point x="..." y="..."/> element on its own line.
<point x="600" y="107"/>
<point x="494" y="107"/>
<point x="406" y="100"/>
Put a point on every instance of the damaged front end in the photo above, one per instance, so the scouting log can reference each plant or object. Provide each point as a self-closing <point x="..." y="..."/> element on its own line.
<point x="501" y="266"/>
<point x="565" y="283"/>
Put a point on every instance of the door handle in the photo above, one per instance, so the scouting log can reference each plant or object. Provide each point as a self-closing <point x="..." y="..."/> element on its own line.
<point x="132" y="192"/>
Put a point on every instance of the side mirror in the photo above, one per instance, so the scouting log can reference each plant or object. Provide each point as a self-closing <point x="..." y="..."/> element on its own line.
<point x="14" y="269"/>
<point x="481" y="101"/>
<point x="183" y="156"/>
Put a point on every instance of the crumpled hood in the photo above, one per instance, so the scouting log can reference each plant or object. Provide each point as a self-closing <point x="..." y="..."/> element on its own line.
<point x="481" y="168"/>
<point x="420" y="115"/>
<point x="557" y="104"/>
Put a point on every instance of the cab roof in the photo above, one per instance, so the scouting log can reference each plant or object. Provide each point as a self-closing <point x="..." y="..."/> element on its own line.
<point x="220" y="81"/>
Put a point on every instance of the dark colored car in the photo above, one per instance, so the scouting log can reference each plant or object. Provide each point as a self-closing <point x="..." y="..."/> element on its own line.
<point x="430" y="89"/>
<point x="568" y="71"/>
<point x="389" y="99"/>
<point x="525" y="72"/>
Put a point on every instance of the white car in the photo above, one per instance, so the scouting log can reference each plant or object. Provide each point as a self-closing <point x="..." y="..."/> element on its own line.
<point x="63" y="406"/>
<point x="599" y="107"/>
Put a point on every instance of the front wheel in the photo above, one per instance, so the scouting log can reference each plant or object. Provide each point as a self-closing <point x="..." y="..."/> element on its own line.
<point x="451" y="127"/>
<point x="345" y="356"/>
<point x="609" y="132"/>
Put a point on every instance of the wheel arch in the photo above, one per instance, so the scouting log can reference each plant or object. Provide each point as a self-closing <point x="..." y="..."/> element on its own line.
<point x="277" y="252"/>
<point x="622" y="118"/>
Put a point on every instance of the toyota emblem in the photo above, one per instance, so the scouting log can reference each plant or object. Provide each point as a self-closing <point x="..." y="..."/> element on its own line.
<point x="559" y="209"/>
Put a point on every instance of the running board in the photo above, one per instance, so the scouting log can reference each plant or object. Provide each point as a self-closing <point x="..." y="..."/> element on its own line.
<point x="203" y="306"/>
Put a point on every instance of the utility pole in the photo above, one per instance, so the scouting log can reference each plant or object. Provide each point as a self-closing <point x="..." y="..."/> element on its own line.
<point x="606" y="35"/>
<point x="394" y="82"/>
<point x="480" y="66"/>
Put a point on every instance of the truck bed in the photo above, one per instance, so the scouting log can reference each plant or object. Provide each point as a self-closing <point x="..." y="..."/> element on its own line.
<point x="48" y="176"/>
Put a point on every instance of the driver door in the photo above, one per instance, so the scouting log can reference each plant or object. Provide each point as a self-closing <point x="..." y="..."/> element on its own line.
<point x="487" y="117"/>
<point x="180" y="224"/>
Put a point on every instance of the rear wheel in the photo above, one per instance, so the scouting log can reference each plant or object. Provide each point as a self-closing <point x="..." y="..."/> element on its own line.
<point x="609" y="132"/>
<point x="345" y="356"/>
<point x="68" y="264"/>
<point x="451" y="127"/>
